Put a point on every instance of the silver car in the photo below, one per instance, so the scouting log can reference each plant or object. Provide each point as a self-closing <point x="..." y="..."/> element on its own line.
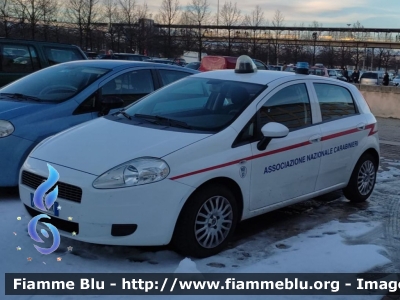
<point x="396" y="80"/>
<point x="337" y="74"/>
<point x="371" y="78"/>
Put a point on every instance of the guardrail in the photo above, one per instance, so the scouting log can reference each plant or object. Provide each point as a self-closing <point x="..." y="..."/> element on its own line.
<point x="384" y="101"/>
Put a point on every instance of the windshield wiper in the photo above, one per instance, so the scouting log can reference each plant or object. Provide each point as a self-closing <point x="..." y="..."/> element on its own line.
<point x="170" y="122"/>
<point x="21" y="96"/>
<point x="122" y="112"/>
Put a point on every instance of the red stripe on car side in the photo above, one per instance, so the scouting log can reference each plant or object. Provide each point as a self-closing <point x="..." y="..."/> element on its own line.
<point x="328" y="137"/>
<point x="339" y="134"/>
<point x="239" y="160"/>
<point x="371" y="127"/>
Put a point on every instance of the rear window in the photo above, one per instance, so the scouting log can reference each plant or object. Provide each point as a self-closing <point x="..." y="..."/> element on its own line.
<point x="369" y="75"/>
<point x="18" y="59"/>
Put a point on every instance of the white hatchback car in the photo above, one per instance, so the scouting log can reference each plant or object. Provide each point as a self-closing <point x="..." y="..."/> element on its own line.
<point x="189" y="161"/>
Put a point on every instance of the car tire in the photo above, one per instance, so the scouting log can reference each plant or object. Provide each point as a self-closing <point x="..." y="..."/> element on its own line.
<point x="362" y="180"/>
<point x="206" y="222"/>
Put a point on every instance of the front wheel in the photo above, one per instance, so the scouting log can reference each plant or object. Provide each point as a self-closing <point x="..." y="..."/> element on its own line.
<point x="362" y="180"/>
<point x="207" y="222"/>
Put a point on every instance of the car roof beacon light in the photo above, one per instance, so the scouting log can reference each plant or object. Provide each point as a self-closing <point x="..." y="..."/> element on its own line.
<point x="302" y="68"/>
<point x="245" y="64"/>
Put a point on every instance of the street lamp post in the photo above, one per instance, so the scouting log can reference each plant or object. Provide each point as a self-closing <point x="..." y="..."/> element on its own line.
<point x="314" y="36"/>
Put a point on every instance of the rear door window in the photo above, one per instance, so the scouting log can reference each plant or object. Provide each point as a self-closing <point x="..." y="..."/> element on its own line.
<point x="129" y="86"/>
<point x="336" y="102"/>
<point x="18" y="59"/>
<point x="290" y="106"/>
<point x="56" y="55"/>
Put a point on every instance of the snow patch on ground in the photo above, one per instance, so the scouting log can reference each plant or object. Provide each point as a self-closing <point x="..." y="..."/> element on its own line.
<point x="322" y="249"/>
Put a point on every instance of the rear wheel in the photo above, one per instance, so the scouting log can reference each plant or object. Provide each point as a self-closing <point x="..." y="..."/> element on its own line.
<point x="362" y="180"/>
<point x="207" y="222"/>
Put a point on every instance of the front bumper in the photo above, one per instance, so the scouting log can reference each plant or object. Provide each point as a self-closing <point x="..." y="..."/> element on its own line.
<point x="151" y="210"/>
<point x="13" y="152"/>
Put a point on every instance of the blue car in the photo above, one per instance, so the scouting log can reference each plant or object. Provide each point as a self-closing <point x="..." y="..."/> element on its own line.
<point x="59" y="97"/>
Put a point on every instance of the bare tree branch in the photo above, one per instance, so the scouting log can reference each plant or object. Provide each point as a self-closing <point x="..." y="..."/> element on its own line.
<point x="230" y="15"/>
<point x="277" y="21"/>
<point x="30" y="10"/>
<point x="256" y="18"/>
<point x="6" y="14"/>
<point x="199" y="13"/>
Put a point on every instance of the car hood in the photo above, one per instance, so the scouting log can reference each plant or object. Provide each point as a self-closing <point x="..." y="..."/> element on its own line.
<point x="97" y="146"/>
<point x="11" y="109"/>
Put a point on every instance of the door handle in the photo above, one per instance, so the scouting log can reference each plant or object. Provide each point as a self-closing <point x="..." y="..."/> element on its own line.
<point x="315" y="139"/>
<point x="361" y="126"/>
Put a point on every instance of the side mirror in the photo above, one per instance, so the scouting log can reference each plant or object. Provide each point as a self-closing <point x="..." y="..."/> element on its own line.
<point x="108" y="103"/>
<point x="271" y="131"/>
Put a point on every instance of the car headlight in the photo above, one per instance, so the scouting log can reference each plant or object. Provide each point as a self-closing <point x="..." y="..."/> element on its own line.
<point x="6" y="128"/>
<point x="134" y="172"/>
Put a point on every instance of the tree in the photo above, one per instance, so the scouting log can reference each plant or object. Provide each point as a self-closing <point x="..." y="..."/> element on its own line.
<point x="199" y="13"/>
<point x="90" y="16"/>
<point x="168" y="14"/>
<point x="145" y="29"/>
<point x="188" y="35"/>
<point x="313" y="35"/>
<point x="230" y="15"/>
<point x="49" y="9"/>
<point x="327" y="56"/>
<point x="383" y="57"/>
<point x="255" y="19"/>
<point x="30" y="10"/>
<point x="6" y="14"/>
<point x="295" y="50"/>
<point x="75" y="13"/>
<point x="277" y="22"/>
<point x="359" y="35"/>
<point x="111" y="14"/>
<point x="128" y="10"/>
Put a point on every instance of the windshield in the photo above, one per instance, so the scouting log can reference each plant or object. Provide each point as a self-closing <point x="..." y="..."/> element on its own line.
<point x="200" y="103"/>
<point x="55" y="84"/>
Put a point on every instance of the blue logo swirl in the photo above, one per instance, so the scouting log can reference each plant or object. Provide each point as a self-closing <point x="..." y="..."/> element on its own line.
<point x="33" y="234"/>
<point x="44" y="187"/>
<point x="45" y="202"/>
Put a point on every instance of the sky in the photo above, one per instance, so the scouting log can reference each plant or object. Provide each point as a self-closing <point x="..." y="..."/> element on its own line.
<point x="334" y="13"/>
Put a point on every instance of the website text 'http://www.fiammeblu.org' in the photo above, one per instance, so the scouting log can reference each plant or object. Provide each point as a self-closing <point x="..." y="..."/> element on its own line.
<point x="201" y="284"/>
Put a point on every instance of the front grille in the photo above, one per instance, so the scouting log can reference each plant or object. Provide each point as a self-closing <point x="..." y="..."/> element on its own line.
<point x="60" y="224"/>
<point x="65" y="191"/>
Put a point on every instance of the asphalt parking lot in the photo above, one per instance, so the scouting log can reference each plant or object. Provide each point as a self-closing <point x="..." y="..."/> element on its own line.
<point x="389" y="135"/>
